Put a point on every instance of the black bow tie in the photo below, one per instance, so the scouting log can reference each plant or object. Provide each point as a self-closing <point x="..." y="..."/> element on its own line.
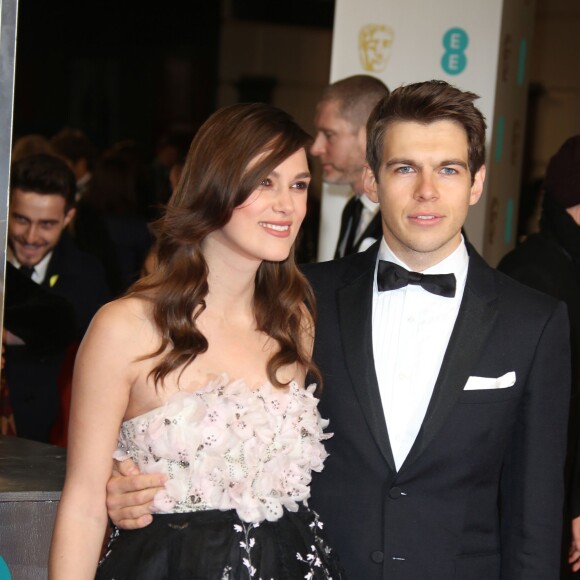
<point x="27" y="270"/>
<point x="392" y="277"/>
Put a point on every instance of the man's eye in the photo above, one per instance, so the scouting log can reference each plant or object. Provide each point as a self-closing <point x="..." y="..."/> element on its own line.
<point x="404" y="169"/>
<point x="448" y="171"/>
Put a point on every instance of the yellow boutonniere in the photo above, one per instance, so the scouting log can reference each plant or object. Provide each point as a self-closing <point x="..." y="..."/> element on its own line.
<point x="52" y="281"/>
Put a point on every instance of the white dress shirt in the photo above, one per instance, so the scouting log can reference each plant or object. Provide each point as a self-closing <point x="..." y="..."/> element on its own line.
<point x="411" y="330"/>
<point x="369" y="211"/>
<point x="39" y="273"/>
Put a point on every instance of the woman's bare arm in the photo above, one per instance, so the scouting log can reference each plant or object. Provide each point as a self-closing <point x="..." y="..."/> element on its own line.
<point x="102" y="382"/>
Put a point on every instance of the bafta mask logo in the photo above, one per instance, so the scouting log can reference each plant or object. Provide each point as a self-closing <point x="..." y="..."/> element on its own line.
<point x="374" y="46"/>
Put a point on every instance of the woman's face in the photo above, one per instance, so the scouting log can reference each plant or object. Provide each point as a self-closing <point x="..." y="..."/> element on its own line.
<point x="265" y="226"/>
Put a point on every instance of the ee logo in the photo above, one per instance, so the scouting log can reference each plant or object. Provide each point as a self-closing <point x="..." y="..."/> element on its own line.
<point x="4" y="572"/>
<point x="455" y="41"/>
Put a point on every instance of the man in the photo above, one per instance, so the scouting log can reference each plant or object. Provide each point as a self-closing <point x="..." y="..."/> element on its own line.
<point x="444" y="446"/>
<point x="447" y="397"/>
<point x="42" y="193"/>
<point x="80" y="155"/>
<point x="550" y="261"/>
<point x="341" y="116"/>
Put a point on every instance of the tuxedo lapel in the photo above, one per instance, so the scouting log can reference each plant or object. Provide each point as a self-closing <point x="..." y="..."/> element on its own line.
<point x="355" y="318"/>
<point x="55" y="264"/>
<point x="474" y="323"/>
<point x="345" y="225"/>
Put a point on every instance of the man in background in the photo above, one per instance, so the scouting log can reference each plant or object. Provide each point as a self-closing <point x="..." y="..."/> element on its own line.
<point x="340" y="145"/>
<point x="550" y="261"/>
<point x="79" y="153"/>
<point x="42" y="198"/>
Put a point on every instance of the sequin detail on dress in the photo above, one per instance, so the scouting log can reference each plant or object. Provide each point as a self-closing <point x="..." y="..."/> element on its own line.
<point x="227" y="446"/>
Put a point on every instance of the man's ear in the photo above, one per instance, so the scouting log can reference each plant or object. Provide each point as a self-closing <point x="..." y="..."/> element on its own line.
<point x="69" y="215"/>
<point x="477" y="185"/>
<point x="370" y="184"/>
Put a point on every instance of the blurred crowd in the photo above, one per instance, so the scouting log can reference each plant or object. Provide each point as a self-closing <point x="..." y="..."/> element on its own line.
<point x="79" y="234"/>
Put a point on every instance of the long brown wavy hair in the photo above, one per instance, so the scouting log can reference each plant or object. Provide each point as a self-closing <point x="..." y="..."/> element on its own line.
<point x="216" y="179"/>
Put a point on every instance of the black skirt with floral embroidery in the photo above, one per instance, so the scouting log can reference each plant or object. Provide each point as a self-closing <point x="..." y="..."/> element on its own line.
<point x="217" y="545"/>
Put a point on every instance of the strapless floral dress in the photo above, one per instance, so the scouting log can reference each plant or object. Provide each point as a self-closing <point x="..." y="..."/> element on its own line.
<point x="239" y="462"/>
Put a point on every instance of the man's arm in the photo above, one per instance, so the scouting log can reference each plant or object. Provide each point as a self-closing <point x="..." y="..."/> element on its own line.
<point x="130" y="495"/>
<point x="532" y="486"/>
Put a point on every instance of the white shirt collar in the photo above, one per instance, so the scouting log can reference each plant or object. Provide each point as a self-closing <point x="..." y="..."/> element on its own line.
<point x="368" y="204"/>
<point x="39" y="270"/>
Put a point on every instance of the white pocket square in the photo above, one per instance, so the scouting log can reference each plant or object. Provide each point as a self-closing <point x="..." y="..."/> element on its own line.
<point x="481" y="383"/>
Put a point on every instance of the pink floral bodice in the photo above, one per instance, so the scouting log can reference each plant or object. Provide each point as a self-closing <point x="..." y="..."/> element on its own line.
<point x="227" y="446"/>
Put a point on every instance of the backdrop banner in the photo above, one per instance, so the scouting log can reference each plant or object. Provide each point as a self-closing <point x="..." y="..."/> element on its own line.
<point x="476" y="46"/>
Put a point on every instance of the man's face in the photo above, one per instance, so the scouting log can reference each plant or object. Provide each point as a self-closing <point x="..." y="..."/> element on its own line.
<point x="340" y="147"/>
<point x="35" y="224"/>
<point x="425" y="189"/>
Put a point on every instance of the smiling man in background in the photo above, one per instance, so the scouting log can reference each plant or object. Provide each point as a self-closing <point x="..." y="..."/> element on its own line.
<point x="42" y="198"/>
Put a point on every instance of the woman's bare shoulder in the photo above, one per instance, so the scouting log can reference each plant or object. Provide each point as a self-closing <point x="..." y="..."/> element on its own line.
<point x="125" y="318"/>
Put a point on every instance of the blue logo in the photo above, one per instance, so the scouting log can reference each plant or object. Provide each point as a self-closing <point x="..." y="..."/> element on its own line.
<point x="455" y="41"/>
<point x="4" y="572"/>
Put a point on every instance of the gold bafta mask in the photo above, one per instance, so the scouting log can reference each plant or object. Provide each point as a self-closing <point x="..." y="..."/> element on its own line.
<point x="374" y="46"/>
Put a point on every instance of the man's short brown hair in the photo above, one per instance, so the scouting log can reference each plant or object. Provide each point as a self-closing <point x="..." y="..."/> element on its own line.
<point x="44" y="174"/>
<point x="426" y="103"/>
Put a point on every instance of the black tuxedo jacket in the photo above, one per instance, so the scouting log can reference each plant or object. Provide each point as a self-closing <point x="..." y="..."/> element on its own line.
<point x="550" y="262"/>
<point x="44" y="321"/>
<point x="80" y="278"/>
<point x="373" y="230"/>
<point x="480" y="495"/>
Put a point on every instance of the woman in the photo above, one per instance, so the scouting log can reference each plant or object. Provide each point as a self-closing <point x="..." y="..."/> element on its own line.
<point x="204" y="363"/>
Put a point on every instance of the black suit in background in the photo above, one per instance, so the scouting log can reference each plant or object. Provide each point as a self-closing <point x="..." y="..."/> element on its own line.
<point x="480" y="495"/>
<point x="91" y="235"/>
<point x="550" y="261"/>
<point x="43" y="320"/>
<point x="348" y="226"/>
<point x="32" y="369"/>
